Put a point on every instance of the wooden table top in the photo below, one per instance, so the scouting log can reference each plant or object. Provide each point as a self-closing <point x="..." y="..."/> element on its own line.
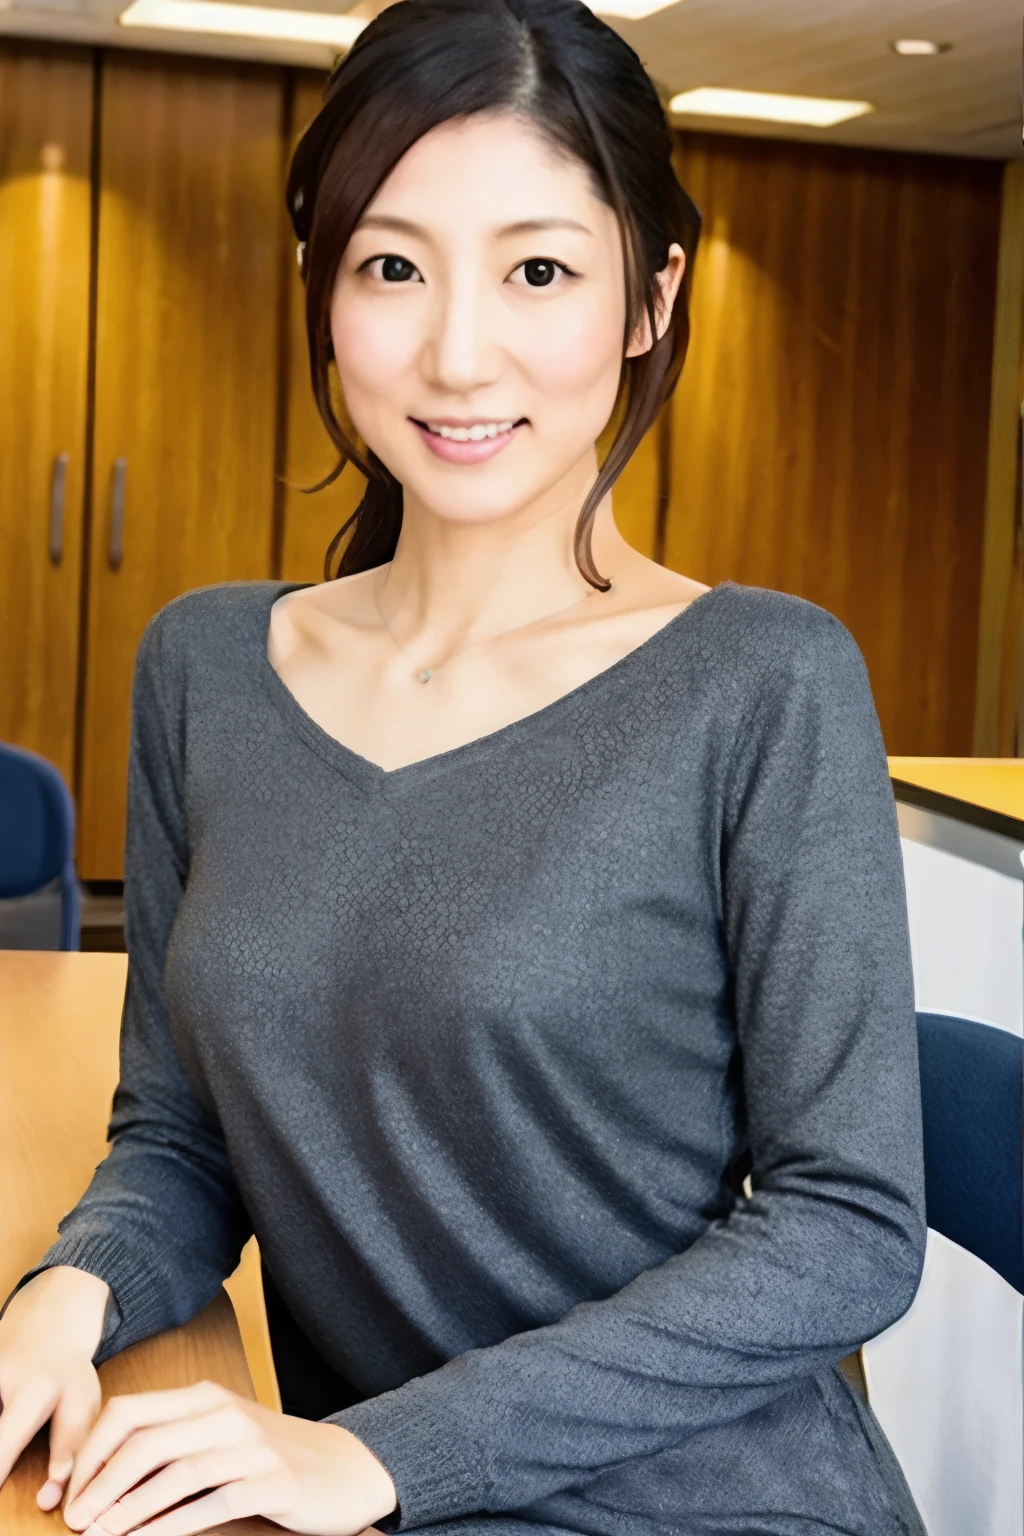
<point x="59" y="1021"/>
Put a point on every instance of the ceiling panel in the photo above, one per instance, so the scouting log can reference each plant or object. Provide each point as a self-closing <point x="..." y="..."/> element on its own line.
<point x="964" y="102"/>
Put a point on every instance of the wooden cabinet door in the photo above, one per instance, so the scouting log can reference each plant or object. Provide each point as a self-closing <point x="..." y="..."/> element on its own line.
<point x="191" y="210"/>
<point x="45" y="141"/>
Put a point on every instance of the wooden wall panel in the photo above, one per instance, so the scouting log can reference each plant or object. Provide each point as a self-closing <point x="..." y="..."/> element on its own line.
<point x="999" y="705"/>
<point x="45" y="149"/>
<point x="830" y="430"/>
<point x="191" y="211"/>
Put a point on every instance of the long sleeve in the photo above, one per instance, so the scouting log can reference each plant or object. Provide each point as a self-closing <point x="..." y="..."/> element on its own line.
<point x="828" y="1250"/>
<point x="161" y="1221"/>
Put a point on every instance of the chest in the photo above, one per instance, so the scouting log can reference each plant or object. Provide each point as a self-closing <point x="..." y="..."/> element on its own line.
<point x="398" y="707"/>
<point x="540" y="904"/>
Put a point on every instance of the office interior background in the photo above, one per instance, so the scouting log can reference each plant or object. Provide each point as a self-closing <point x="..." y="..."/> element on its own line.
<point x="848" y="429"/>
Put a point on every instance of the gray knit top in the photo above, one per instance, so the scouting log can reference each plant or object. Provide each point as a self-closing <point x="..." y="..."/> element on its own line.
<point x="484" y="1047"/>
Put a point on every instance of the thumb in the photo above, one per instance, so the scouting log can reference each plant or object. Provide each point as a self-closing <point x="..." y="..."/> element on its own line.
<point x="72" y="1420"/>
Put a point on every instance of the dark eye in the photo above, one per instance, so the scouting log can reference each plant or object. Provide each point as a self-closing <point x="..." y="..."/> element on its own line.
<point x="539" y="272"/>
<point x="395" y="269"/>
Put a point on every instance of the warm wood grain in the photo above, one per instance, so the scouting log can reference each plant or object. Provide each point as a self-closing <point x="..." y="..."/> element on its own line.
<point x="186" y="362"/>
<point x="830" y="431"/>
<point x="245" y="1288"/>
<point x="45" y="139"/>
<point x="996" y="710"/>
<point x="58" y="1066"/>
<point x="60" y="1018"/>
<point x="59" y="1024"/>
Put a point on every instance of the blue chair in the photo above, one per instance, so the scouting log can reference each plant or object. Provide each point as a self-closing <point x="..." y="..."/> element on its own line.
<point x="972" y="1099"/>
<point x="37" y="835"/>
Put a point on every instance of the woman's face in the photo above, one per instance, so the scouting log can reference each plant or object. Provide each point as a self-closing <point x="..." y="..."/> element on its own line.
<point x="478" y="320"/>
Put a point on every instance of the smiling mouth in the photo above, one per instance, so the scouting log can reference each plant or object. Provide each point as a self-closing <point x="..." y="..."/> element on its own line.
<point x="474" y="432"/>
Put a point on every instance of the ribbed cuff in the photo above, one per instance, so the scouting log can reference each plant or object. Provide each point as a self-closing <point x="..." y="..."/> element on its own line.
<point x="437" y="1471"/>
<point x="136" y="1312"/>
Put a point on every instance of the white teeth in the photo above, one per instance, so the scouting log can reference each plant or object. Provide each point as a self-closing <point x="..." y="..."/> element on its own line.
<point x="475" y="434"/>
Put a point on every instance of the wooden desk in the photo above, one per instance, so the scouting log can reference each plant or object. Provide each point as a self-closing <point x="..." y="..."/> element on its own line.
<point x="59" y="1021"/>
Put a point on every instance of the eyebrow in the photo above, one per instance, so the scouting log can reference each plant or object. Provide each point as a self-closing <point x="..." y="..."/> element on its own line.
<point x="521" y="227"/>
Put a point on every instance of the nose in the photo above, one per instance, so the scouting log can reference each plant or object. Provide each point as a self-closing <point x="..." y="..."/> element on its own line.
<point x="462" y="352"/>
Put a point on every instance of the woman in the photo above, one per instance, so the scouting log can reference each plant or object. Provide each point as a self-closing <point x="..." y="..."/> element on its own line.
<point x="516" y="928"/>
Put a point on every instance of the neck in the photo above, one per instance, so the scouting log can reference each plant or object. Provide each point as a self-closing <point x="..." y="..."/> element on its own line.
<point x="451" y="583"/>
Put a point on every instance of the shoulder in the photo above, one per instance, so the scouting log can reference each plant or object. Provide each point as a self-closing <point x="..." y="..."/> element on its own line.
<point x="795" y="703"/>
<point x="786" y="680"/>
<point x="210" y="619"/>
<point x="214" y="631"/>
<point x="208" y="614"/>
<point x="773" y="641"/>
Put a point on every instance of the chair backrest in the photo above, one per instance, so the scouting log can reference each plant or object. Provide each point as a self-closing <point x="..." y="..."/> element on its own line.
<point x="972" y="1099"/>
<point x="37" y="834"/>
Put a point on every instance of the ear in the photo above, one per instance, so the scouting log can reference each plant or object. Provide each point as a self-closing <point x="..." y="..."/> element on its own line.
<point x="666" y="286"/>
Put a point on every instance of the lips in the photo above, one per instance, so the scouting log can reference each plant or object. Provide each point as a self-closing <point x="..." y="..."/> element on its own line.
<point x="467" y="442"/>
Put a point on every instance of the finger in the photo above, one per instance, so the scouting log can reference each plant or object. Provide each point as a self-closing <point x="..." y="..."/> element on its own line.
<point x="124" y="1415"/>
<point x="148" y="1449"/>
<point x="72" y="1419"/>
<point x="234" y="1501"/>
<point x="24" y="1416"/>
<point x="183" y="1480"/>
<point x="50" y="1494"/>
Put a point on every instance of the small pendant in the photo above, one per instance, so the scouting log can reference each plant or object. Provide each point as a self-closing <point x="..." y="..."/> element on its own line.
<point x="426" y="675"/>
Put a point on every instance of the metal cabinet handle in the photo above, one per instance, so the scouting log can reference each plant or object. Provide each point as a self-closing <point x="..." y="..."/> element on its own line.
<point x="115" y="554"/>
<point x="58" y="482"/>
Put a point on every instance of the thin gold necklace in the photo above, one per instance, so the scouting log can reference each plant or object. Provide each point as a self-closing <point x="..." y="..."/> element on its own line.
<point x="424" y="674"/>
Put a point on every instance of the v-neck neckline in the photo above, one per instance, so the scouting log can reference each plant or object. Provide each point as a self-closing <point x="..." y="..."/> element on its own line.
<point x="370" y="775"/>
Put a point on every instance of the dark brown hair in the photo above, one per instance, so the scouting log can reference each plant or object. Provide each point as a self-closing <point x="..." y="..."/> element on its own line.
<point x="557" y="66"/>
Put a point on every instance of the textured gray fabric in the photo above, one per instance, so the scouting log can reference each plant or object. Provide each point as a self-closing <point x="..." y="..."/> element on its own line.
<point x="483" y="1048"/>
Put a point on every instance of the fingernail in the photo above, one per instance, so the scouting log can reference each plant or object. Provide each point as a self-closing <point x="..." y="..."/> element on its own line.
<point x="49" y="1494"/>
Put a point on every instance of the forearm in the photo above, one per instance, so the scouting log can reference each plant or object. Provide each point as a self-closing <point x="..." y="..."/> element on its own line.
<point x="160" y="1230"/>
<point x="778" y="1292"/>
<point x="73" y="1301"/>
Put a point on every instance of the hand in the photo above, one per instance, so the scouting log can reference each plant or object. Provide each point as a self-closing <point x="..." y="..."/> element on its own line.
<point x="151" y="1450"/>
<point x="48" y="1336"/>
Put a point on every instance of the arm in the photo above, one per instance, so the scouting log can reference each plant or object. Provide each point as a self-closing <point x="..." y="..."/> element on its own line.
<point x="159" y="1227"/>
<point x="161" y="1222"/>
<point x="828" y="1251"/>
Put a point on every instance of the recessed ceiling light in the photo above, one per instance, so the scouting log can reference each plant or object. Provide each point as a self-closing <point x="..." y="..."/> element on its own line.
<point x="632" y="10"/>
<point x="918" y="47"/>
<point x="244" y="21"/>
<point x="811" y="111"/>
